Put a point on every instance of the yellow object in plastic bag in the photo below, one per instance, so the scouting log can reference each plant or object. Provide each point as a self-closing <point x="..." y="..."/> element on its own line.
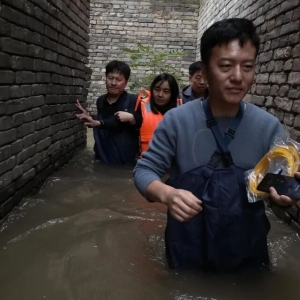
<point x="289" y="153"/>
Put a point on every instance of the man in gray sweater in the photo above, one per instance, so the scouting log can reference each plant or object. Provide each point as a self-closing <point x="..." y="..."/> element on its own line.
<point x="206" y="147"/>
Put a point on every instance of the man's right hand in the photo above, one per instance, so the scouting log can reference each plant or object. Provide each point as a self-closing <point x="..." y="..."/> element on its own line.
<point x="82" y="110"/>
<point x="182" y="204"/>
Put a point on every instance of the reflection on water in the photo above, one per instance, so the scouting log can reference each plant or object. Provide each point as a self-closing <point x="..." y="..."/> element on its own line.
<point x="89" y="235"/>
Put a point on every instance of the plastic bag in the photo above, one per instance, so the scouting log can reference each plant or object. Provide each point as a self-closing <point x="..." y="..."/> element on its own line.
<point x="283" y="158"/>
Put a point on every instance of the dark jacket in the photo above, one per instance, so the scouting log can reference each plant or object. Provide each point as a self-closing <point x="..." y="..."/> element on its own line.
<point x="115" y="142"/>
<point x="187" y="94"/>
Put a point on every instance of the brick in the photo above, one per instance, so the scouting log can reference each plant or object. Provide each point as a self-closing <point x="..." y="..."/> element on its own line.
<point x="43" y="144"/>
<point x="258" y="100"/>
<point x="289" y="4"/>
<point x="4" y="93"/>
<point x="282" y="53"/>
<point x="5" y="179"/>
<point x="6" y="192"/>
<point x="35" y="51"/>
<point x="7" y="165"/>
<point x="16" y="147"/>
<point x="5" y="152"/>
<point x="16" y="3"/>
<point x="288" y="65"/>
<point x="15" y="92"/>
<point x="36" y="101"/>
<point x="289" y="28"/>
<point x="294" y="94"/>
<point x="283" y="103"/>
<point x="39" y="89"/>
<point x="38" y="65"/>
<point x="17" y="172"/>
<point x="7" y="77"/>
<point x="13" y="15"/>
<point x="283" y="91"/>
<point x="7" y="137"/>
<point x="262" y="78"/>
<point x="35" y="25"/>
<point x="51" y="33"/>
<point x="296" y="51"/>
<point x="40" y="135"/>
<point x="28" y="116"/>
<point x="26" y="153"/>
<point x="14" y="106"/>
<point x="294" y="78"/>
<point x="279" y="66"/>
<point x="18" y="119"/>
<point x="42" y="123"/>
<point x="25" y="77"/>
<point x="51" y="56"/>
<point x="17" y="62"/>
<point x="5" y="61"/>
<point x="5" y="123"/>
<point x="21" y="181"/>
<point x="43" y="77"/>
<point x="296" y="65"/>
<point x="36" y="113"/>
<point x="278" y="78"/>
<point x="26" y="129"/>
<point x="4" y="28"/>
<point x="26" y="90"/>
<point x="294" y="38"/>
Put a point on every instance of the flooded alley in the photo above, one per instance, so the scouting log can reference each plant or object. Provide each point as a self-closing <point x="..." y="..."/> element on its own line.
<point x="89" y="235"/>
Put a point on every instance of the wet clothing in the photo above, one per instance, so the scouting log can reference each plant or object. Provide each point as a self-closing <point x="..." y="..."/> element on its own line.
<point x="230" y="231"/>
<point x="187" y="94"/>
<point x="115" y="142"/>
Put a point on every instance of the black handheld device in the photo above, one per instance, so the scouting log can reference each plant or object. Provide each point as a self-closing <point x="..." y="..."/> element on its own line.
<point x="284" y="185"/>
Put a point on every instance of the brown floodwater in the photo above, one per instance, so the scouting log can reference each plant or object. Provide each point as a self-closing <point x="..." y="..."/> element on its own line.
<point x="88" y="234"/>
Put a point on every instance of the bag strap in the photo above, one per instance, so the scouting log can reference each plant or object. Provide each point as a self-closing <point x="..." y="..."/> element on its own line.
<point x="222" y="141"/>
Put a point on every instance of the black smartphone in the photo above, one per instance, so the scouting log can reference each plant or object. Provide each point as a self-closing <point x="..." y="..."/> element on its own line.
<point x="284" y="185"/>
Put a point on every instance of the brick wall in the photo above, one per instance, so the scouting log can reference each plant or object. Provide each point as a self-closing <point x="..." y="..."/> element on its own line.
<point x="277" y="83"/>
<point x="43" y="52"/>
<point x="117" y="24"/>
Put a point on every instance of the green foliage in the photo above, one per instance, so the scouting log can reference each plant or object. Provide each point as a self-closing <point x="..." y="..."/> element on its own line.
<point x="152" y="62"/>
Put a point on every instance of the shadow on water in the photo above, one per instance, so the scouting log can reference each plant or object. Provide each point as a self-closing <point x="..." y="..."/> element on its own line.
<point x="88" y="235"/>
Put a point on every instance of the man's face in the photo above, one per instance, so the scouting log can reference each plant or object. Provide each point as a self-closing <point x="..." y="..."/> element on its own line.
<point x="115" y="83"/>
<point x="230" y="72"/>
<point x="198" y="83"/>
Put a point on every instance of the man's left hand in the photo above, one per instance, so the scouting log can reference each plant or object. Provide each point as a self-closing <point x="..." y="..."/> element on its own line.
<point x="283" y="200"/>
<point x="124" y="116"/>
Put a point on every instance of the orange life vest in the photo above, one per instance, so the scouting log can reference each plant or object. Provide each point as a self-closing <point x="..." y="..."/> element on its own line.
<point x="150" y="120"/>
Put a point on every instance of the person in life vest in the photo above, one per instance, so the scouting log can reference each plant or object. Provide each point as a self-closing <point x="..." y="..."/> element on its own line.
<point x="152" y="105"/>
<point x="207" y="146"/>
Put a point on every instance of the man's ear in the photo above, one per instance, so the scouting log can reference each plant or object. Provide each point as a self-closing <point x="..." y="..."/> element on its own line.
<point x="190" y="78"/>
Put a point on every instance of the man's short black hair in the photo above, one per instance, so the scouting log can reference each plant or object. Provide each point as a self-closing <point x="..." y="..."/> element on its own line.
<point x="194" y="67"/>
<point x="119" y="67"/>
<point x="225" y="31"/>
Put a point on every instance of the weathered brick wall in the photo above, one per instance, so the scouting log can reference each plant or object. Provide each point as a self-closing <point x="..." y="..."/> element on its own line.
<point x="43" y="52"/>
<point x="118" y="24"/>
<point x="277" y="83"/>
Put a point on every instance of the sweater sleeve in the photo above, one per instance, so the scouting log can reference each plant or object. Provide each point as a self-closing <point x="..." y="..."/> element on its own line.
<point x="157" y="160"/>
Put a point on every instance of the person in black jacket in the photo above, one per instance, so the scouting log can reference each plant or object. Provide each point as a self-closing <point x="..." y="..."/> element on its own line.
<point x="198" y="85"/>
<point x="115" y="133"/>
